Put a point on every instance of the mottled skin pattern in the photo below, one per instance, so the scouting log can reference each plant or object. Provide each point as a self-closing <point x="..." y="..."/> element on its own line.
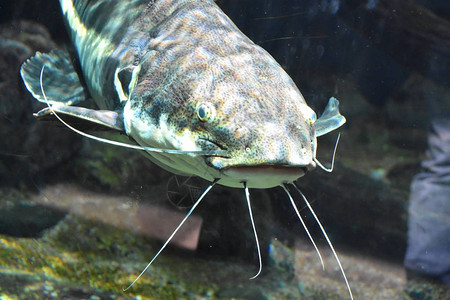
<point x="186" y="78"/>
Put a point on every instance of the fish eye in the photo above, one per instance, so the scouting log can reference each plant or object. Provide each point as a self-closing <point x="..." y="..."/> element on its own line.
<point x="205" y="112"/>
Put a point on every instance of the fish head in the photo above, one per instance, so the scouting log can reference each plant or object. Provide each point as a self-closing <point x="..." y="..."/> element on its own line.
<point x="258" y="117"/>
<point x="267" y="132"/>
<point x="241" y="103"/>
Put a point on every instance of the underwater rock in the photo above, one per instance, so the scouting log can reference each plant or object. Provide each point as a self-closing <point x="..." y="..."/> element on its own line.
<point x="83" y="258"/>
<point x="282" y="256"/>
<point x="26" y="146"/>
<point x="27" y="220"/>
<point x="101" y="167"/>
<point x="22" y="218"/>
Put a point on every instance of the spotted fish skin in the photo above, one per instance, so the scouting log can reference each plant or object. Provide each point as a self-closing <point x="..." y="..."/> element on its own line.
<point x="182" y="76"/>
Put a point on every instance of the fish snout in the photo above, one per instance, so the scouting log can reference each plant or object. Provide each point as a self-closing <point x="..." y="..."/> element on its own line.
<point x="268" y="145"/>
<point x="283" y="144"/>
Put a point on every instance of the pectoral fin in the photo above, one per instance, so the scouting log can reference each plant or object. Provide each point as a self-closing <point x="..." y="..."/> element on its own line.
<point x="61" y="82"/>
<point x="330" y="119"/>
<point x="107" y="118"/>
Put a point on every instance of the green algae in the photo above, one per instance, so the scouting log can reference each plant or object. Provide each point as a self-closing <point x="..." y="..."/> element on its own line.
<point x="425" y="289"/>
<point x="101" y="259"/>
<point x="94" y="256"/>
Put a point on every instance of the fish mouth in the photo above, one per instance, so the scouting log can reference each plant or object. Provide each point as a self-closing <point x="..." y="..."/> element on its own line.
<point x="268" y="170"/>
<point x="261" y="176"/>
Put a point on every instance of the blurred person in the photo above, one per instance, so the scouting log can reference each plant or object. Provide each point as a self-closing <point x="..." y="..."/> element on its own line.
<point x="428" y="249"/>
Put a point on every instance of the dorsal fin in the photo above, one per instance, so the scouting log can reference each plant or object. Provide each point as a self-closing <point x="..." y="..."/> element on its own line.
<point x="330" y="118"/>
<point x="62" y="84"/>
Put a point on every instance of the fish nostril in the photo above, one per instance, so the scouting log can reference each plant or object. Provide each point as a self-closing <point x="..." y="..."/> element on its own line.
<point x="247" y="149"/>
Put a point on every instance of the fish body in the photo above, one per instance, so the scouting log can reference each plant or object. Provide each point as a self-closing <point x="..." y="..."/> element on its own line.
<point x="178" y="74"/>
<point x="181" y="80"/>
